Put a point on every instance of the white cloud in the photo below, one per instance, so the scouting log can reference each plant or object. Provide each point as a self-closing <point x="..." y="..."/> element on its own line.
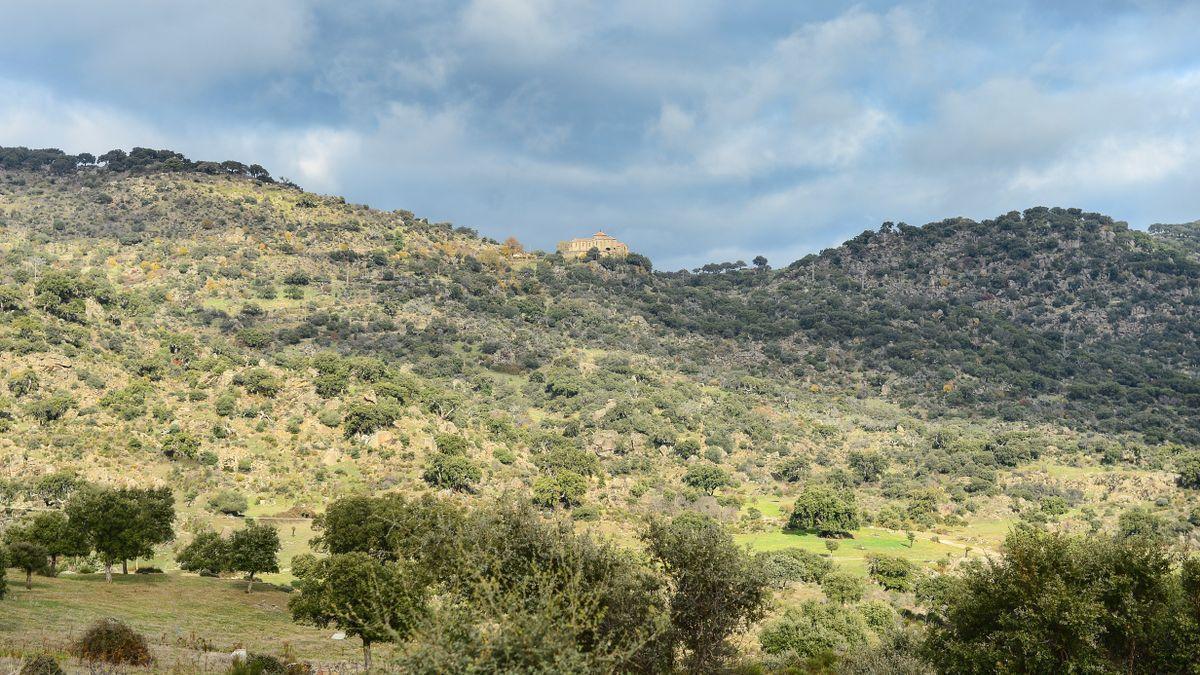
<point x="161" y="47"/>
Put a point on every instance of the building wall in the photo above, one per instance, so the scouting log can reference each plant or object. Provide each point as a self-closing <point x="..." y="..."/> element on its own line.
<point x="606" y="245"/>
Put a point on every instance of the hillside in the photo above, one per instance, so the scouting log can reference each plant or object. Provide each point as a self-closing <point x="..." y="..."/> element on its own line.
<point x="263" y="351"/>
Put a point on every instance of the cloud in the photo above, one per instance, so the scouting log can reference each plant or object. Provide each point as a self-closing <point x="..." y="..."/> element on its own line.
<point x="156" y="48"/>
<point x="693" y="129"/>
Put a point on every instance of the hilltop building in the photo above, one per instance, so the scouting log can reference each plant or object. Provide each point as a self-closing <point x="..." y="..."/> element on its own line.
<point x="604" y="243"/>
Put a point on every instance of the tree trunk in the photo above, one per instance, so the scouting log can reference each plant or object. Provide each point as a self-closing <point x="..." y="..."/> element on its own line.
<point x="124" y="567"/>
<point x="54" y="564"/>
<point x="367" y="655"/>
<point x="108" y="572"/>
<point x="250" y="584"/>
<point x="29" y="580"/>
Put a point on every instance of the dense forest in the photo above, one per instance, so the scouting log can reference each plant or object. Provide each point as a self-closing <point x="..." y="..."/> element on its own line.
<point x="477" y="457"/>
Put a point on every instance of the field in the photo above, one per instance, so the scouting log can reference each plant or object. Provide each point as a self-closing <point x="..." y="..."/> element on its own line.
<point x="852" y="553"/>
<point x="193" y="623"/>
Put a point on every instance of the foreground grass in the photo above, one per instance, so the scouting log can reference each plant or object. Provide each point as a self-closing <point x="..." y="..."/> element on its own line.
<point x="173" y="611"/>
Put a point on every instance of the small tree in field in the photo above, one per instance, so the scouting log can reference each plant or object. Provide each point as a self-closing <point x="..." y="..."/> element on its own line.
<point x="208" y="552"/>
<point x="707" y="478"/>
<point x="122" y="524"/>
<point x="843" y="587"/>
<point x="52" y="531"/>
<point x="253" y="550"/>
<point x="820" y="509"/>
<point x="376" y="601"/>
<point x="29" y="558"/>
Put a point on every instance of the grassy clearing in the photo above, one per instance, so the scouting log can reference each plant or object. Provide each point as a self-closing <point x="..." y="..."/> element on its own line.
<point x="852" y="553"/>
<point x="173" y="611"/>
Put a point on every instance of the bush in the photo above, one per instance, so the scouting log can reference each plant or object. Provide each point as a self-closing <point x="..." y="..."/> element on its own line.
<point x="258" y="664"/>
<point x="812" y="629"/>
<point x="229" y="502"/>
<point x="111" y="641"/>
<point x="891" y="572"/>
<point x="42" y="664"/>
<point x="454" y="472"/>
<point x="843" y="587"/>
<point x="793" y="564"/>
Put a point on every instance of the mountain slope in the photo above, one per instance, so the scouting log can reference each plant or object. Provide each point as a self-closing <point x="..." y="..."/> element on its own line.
<point x="221" y="332"/>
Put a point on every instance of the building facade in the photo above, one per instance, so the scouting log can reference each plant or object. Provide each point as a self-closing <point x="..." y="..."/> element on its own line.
<point x="605" y="244"/>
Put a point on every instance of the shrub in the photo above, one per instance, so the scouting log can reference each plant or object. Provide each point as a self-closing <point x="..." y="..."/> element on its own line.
<point x="111" y="641"/>
<point x="454" y="472"/>
<point x="229" y="502"/>
<point x="793" y="564"/>
<point x="258" y="664"/>
<point x="842" y="587"/>
<point x="813" y="629"/>
<point x="891" y="572"/>
<point x="42" y="664"/>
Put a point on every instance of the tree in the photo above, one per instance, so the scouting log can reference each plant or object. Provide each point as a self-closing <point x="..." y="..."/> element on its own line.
<point x="819" y="509"/>
<point x="453" y="472"/>
<point x="706" y="477"/>
<point x="229" y="502"/>
<point x="686" y="447"/>
<point x="891" y="572"/>
<point x="814" y="628"/>
<point x="207" y="552"/>
<point x="366" y="418"/>
<point x="715" y="586"/>
<point x="180" y="444"/>
<point x="122" y="524"/>
<point x="1059" y="603"/>
<point x="564" y="488"/>
<point x="52" y="531"/>
<point x="793" y="564"/>
<point x="29" y="558"/>
<point x="1139" y="522"/>
<point x="868" y="467"/>
<point x="843" y="587"/>
<point x="1188" y="468"/>
<point x="365" y="597"/>
<point x="760" y="262"/>
<point x="253" y="550"/>
<point x="54" y="488"/>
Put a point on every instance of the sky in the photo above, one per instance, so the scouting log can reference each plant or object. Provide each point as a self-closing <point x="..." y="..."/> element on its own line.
<point x="695" y="130"/>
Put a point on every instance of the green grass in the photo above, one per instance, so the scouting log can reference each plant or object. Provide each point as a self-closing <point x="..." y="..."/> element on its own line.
<point x="849" y="555"/>
<point x="172" y="610"/>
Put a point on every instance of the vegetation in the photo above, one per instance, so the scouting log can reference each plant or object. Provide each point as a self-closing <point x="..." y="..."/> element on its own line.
<point x="112" y="642"/>
<point x="519" y="461"/>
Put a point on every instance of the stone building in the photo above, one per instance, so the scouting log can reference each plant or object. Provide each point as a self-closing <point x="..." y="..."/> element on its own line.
<point x="605" y="244"/>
